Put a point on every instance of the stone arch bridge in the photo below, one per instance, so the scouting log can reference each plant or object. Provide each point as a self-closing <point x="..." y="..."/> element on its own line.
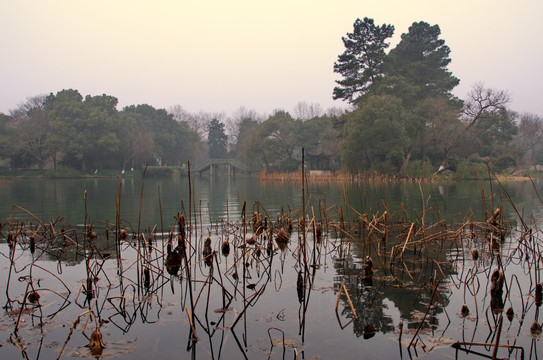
<point x="232" y="167"/>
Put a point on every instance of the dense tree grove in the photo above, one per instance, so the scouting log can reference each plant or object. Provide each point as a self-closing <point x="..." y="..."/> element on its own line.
<point x="90" y="133"/>
<point x="407" y="121"/>
<point x="402" y="119"/>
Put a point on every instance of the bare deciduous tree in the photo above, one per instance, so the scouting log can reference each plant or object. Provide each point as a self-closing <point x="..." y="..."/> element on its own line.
<point x="481" y="103"/>
<point x="234" y="122"/>
<point x="338" y="111"/>
<point x="199" y="122"/>
<point x="305" y="111"/>
<point x="178" y="113"/>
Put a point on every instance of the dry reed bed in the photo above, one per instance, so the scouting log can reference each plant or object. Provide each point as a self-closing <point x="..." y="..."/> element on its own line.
<point x="367" y="176"/>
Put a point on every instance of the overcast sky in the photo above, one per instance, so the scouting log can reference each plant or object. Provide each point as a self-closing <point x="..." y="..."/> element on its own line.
<point x="218" y="55"/>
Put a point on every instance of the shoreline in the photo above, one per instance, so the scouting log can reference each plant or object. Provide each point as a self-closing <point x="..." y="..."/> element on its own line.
<point x="7" y="175"/>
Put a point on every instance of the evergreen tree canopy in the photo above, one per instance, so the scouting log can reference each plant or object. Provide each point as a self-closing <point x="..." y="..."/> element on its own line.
<point x="217" y="140"/>
<point x="361" y="63"/>
<point x="419" y="62"/>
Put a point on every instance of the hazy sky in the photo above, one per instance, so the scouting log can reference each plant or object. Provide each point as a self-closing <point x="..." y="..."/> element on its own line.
<point x="218" y="55"/>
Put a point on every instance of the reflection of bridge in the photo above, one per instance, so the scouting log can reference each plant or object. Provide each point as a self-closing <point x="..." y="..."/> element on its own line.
<point x="232" y="166"/>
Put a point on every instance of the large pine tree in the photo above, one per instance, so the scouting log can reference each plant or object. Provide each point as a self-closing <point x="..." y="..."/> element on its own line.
<point x="361" y="63"/>
<point x="418" y="64"/>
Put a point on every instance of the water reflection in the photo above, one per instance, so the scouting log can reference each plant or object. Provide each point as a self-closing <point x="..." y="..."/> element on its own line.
<point x="222" y="198"/>
<point x="395" y="279"/>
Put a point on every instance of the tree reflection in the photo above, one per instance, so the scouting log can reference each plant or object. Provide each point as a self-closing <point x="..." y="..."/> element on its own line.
<point x="403" y="274"/>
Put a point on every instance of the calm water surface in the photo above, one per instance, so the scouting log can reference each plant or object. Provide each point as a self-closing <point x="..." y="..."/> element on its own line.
<point x="246" y="311"/>
<point x="223" y="198"/>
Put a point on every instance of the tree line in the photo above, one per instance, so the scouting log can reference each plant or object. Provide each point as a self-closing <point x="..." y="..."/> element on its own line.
<point x="402" y="118"/>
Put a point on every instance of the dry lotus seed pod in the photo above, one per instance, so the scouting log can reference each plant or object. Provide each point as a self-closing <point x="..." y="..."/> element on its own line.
<point x="535" y="329"/>
<point x="96" y="344"/>
<point x="510" y="313"/>
<point x="475" y="254"/>
<point x="465" y="310"/>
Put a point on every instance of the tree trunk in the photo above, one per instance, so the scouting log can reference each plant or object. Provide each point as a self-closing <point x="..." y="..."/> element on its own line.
<point x="445" y="163"/>
<point x="405" y="163"/>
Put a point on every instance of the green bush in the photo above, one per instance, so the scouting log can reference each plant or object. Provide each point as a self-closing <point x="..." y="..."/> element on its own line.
<point x="21" y="173"/>
<point x="419" y="169"/>
<point x="504" y="163"/>
<point x="454" y="160"/>
<point x="395" y="157"/>
<point x="383" y="167"/>
<point x="469" y="170"/>
<point x="62" y="172"/>
<point x="290" y="165"/>
<point x="163" y="171"/>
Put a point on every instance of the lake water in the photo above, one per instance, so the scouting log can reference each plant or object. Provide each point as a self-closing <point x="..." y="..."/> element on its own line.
<point x="222" y="198"/>
<point x="255" y="304"/>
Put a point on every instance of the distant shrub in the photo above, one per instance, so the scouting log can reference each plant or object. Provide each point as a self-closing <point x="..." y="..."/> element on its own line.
<point x="419" y="169"/>
<point x="163" y="171"/>
<point x="62" y="172"/>
<point x="454" y="160"/>
<point x="469" y="170"/>
<point x="21" y="173"/>
<point x="504" y="163"/>
<point x="383" y="167"/>
<point x="289" y="165"/>
<point x="108" y="172"/>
